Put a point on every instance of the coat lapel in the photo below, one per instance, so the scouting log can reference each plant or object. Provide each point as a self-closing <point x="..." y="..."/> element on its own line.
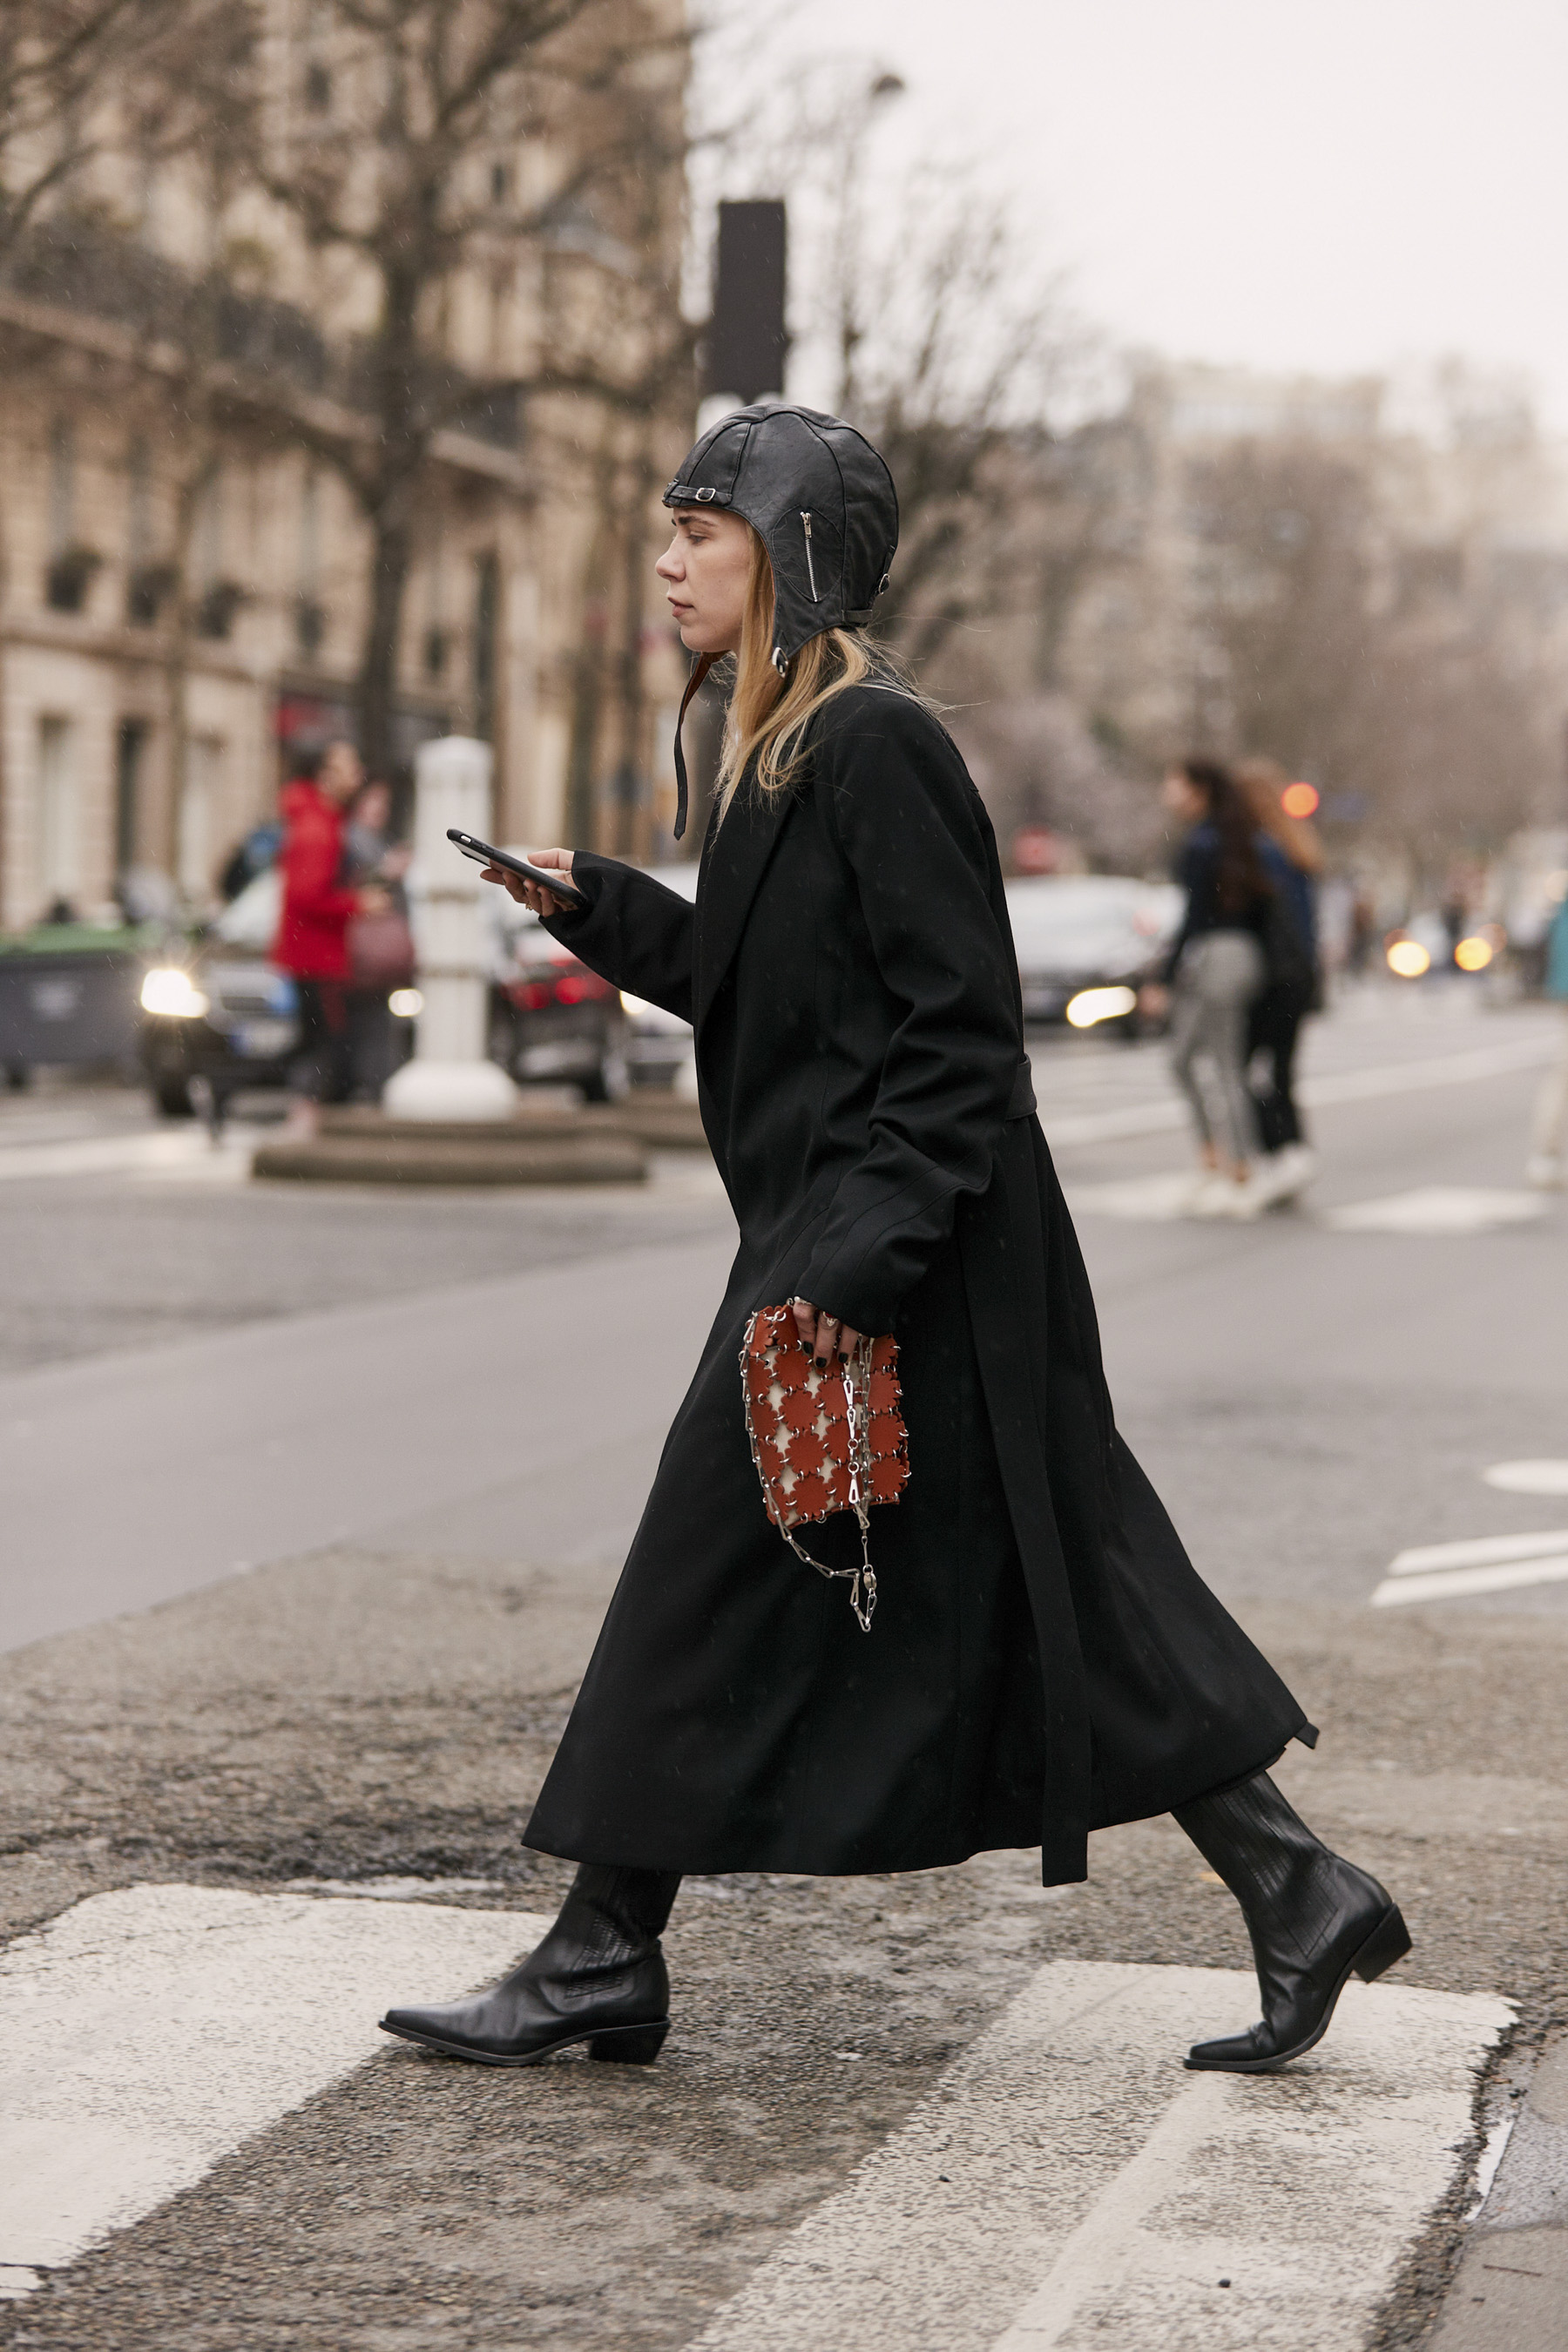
<point x="734" y="859"/>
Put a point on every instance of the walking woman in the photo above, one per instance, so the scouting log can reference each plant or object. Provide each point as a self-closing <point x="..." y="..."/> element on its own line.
<point x="1043" y="1660"/>
<point x="1293" y="860"/>
<point x="1214" y="972"/>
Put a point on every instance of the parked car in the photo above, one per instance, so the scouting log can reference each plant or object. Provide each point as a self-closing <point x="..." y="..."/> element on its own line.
<point x="1087" y="942"/>
<point x="216" y="1018"/>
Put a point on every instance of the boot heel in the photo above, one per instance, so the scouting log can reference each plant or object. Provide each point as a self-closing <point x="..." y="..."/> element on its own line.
<point x="1389" y="1942"/>
<point x="630" y="2045"/>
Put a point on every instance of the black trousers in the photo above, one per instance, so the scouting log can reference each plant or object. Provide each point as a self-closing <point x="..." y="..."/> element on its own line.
<point x="321" y="1070"/>
<point x="1273" y="1027"/>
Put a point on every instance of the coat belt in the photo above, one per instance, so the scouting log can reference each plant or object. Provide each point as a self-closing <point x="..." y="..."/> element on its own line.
<point x="1021" y="1101"/>
<point x="1003" y="1252"/>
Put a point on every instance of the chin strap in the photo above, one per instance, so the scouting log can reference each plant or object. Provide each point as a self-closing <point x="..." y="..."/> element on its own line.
<point x="700" y="669"/>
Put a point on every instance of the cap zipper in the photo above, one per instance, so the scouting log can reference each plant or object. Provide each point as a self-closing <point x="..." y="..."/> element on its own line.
<point x="810" y="566"/>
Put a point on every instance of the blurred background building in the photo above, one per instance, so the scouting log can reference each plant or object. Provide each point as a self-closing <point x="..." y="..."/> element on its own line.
<point x="334" y="369"/>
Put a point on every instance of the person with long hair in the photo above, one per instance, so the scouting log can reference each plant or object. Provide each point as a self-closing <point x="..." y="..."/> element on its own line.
<point x="1292" y="857"/>
<point x="1032" y="1654"/>
<point x="1214" y="971"/>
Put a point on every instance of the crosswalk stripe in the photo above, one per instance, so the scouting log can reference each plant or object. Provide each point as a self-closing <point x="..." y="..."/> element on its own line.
<point x="1159" y="1116"/>
<point x="1456" y="1583"/>
<point x="1437" y="1209"/>
<point x="1067" y="2175"/>
<point x="1476" y="1550"/>
<point x="145" y="2034"/>
<point x="145" y="1154"/>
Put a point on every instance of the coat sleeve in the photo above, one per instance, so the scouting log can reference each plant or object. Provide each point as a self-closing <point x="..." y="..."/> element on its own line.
<point x="636" y="934"/>
<point x="910" y="823"/>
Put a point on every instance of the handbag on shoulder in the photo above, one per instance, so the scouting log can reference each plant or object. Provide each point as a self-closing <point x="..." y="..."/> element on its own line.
<point x="823" y="1438"/>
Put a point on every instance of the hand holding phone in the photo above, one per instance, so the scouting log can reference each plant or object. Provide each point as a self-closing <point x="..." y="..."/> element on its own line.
<point x="555" y="880"/>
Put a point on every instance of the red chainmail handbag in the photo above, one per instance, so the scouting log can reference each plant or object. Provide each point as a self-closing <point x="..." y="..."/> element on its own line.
<point x="823" y="1439"/>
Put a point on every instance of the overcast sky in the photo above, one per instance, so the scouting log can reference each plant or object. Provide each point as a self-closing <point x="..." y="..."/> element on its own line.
<point x="1327" y="185"/>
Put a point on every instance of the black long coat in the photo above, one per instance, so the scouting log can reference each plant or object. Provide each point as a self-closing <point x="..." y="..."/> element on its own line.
<point x="1044" y="1658"/>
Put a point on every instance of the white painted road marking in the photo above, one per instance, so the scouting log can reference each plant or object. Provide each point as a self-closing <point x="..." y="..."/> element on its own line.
<point x="1068" y="2184"/>
<point x="145" y="2034"/>
<point x="1432" y="1209"/>
<point x="1529" y="1477"/>
<point x="1138" y="1200"/>
<point x="1438" y="1209"/>
<point x="1450" y="1571"/>
<point x="1163" y="1117"/>
<point x="1476" y="1550"/>
<point x="159" y="1151"/>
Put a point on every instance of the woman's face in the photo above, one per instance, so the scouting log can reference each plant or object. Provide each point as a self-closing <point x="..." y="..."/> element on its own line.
<point x="705" y="571"/>
<point x="1182" y="796"/>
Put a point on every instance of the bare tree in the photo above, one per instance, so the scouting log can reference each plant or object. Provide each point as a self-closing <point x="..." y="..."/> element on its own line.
<point x="1287" y="535"/>
<point x="56" y="58"/>
<point x="1386" y="670"/>
<point x="399" y="150"/>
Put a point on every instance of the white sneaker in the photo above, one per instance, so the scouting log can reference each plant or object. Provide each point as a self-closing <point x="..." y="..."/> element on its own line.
<point x="1222" y="1196"/>
<point x="1545" y="1173"/>
<point x="1287" y="1173"/>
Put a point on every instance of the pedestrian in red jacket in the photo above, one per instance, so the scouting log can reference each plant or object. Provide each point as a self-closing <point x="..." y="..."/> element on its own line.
<point x="319" y="904"/>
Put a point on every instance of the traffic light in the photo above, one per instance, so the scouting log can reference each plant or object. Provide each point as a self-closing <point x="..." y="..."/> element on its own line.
<point x="746" y="341"/>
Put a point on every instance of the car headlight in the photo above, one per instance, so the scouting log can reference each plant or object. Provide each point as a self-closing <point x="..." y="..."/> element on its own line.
<point x="405" y="1003"/>
<point x="170" y="993"/>
<point x="635" y="1005"/>
<point x="1093" y="1004"/>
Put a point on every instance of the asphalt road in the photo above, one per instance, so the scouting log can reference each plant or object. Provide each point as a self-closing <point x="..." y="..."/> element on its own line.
<point x="424" y="1425"/>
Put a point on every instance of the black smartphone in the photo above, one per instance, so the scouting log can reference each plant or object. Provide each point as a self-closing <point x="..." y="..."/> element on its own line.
<point x="484" y="854"/>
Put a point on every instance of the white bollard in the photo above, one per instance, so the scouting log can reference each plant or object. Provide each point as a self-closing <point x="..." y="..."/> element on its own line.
<point x="450" y="1076"/>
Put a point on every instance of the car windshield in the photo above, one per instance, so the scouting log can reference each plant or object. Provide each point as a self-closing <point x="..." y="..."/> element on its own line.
<point x="1087" y="920"/>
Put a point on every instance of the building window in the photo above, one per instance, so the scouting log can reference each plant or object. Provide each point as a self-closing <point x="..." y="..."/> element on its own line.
<point x="129" y="753"/>
<point x="200" y="805"/>
<point x="219" y="598"/>
<point x="147" y="582"/>
<point x="59" y="827"/>
<point x="71" y="565"/>
<point x="318" y="89"/>
<point x="486" y="616"/>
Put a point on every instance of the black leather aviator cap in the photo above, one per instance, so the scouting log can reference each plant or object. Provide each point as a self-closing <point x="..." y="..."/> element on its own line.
<point x="824" y="505"/>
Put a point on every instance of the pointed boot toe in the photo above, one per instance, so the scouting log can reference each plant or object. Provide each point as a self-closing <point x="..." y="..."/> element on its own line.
<point x="1314" y="1920"/>
<point x="598" y="1977"/>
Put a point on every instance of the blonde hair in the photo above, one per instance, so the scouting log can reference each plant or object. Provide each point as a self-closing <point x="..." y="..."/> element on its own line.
<point x="769" y="714"/>
<point x="1261" y="781"/>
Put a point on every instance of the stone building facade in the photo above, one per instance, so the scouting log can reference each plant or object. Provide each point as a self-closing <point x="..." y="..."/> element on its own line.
<point x="183" y="570"/>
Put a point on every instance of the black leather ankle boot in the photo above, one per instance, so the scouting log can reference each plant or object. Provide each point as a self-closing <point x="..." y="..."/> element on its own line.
<point x="598" y="1977"/>
<point x="1313" y="1918"/>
